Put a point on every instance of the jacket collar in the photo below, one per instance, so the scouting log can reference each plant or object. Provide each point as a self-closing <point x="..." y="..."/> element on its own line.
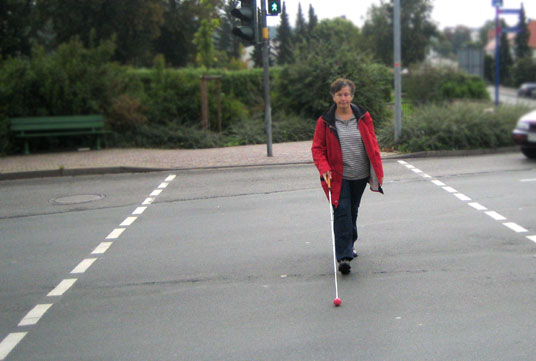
<point x="329" y="116"/>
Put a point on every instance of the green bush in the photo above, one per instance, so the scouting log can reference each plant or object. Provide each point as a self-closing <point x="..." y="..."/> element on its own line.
<point x="524" y="70"/>
<point x="433" y="84"/>
<point x="452" y="126"/>
<point x="303" y="88"/>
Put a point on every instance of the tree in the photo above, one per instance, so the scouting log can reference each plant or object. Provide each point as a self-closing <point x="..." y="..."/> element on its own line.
<point x="284" y="39"/>
<point x="416" y="26"/>
<point x="181" y="22"/>
<point x="15" y="27"/>
<point x="522" y="49"/>
<point x="300" y="31"/>
<point x="135" y="24"/>
<point x="505" y="57"/>
<point x="313" y="19"/>
<point x="204" y="37"/>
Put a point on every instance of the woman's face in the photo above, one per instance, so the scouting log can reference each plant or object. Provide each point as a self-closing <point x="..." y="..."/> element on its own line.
<point x="343" y="98"/>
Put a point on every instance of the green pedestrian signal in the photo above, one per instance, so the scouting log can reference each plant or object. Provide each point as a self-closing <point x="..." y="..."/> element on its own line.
<point x="274" y="7"/>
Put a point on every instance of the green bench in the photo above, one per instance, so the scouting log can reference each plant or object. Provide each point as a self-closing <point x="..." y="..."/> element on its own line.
<point x="56" y="126"/>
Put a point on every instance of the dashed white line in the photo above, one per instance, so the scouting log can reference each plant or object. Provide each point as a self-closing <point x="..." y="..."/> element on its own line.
<point x="102" y="248"/>
<point x="477" y="206"/>
<point x="409" y="166"/>
<point x="62" y="287"/>
<point x="416" y="170"/>
<point x="438" y="183"/>
<point x="35" y="314"/>
<point x="84" y="265"/>
<point x="528" y="180"/>
<point x="532" y="238"/>
<point x="115" y="233"/>
<point x="450" y="189"/>
<point x="402" y="162"/>
<point x="148" y="201"/>
<point x="9" y="343"/>
<point x="139" y="210"/>
<point x="462" y="197"/>
<point x="426" y="175"/>
<point x="515" y="227"/>
<point x="496" y="216"/>
<point x="128" y="221"/>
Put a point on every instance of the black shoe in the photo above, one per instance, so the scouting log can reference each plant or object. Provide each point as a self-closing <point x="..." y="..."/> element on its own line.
<point x="355" y="253"/>
<point x="344" y="267"/>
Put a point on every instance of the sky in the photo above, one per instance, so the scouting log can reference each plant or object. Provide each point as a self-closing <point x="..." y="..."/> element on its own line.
<point x="446" y="13"/>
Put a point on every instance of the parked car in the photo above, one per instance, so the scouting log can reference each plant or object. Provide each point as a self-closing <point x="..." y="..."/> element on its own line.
<point x="524" y="134"/>
<point x="527" y="90"/>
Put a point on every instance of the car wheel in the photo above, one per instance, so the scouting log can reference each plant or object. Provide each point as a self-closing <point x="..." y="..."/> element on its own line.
<point x="529" y="152"/>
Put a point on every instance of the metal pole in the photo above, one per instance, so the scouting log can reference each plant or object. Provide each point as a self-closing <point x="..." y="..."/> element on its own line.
<point x="497" y="54"/>
<point x="398" y="77"/>
<point x="266" y="64"/>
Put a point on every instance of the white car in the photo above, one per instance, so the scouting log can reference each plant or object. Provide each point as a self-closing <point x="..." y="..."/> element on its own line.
<point x="524" y="134"/>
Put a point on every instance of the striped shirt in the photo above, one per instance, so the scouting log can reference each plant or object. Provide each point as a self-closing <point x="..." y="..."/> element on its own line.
<point x="354" y="156"/>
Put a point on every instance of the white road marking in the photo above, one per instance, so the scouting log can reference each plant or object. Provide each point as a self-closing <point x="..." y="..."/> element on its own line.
<point x="496" y="216"/>
<point x="139" y="210"/>
<point x="128" y="221"/>
<point x="462" y="197"/>
<point x="477" y="206"/>
<point x="515" y="227"/>
<point x="9" y="343"/>
<point x="148" y="201"/>
<point x="102" y="248"/>
<point x="84" y="265"/>
<point x="62" y="287"/>
<point x="35" y="314"/>
<point x="115" y="233"/>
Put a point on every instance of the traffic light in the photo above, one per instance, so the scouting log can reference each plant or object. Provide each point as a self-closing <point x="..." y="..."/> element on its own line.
<point x="247" y="13"/>
<point x="274" y="7"/>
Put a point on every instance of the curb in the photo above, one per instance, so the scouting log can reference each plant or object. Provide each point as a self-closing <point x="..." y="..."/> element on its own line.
<point x="119" y="170"/>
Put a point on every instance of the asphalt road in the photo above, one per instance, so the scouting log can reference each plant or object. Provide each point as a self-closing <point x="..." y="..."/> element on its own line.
<point x="236" y="264"/>
<point x="509" y="96"/>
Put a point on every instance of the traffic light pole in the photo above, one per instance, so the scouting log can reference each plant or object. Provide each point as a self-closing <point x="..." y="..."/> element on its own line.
<point x="266" y="66"/>
<point x="398" y="76"/>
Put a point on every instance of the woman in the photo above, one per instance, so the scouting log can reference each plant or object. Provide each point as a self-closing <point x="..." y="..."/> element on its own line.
<point x="346" y="153"/>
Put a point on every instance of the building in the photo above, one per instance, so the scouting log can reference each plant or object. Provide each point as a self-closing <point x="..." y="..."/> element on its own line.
<point x="490" y="46"/>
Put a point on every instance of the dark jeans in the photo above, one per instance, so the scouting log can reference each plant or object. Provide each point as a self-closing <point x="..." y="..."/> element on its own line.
<point x="345" y="217"/>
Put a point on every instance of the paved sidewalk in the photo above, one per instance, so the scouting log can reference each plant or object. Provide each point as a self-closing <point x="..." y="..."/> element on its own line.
<point x="122" y="160"/>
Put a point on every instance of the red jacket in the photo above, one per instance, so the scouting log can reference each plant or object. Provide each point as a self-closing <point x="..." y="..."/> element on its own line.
<point x="327" y="153"/>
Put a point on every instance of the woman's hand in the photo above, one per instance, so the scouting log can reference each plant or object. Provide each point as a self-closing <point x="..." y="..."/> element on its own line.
<point x="327" y="177"/>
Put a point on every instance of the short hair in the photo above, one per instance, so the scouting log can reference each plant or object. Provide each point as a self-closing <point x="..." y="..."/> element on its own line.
<point x="341" y="83"/>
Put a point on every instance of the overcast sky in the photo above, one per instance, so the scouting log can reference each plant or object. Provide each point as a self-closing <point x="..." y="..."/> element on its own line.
<point x="446" y="13"/>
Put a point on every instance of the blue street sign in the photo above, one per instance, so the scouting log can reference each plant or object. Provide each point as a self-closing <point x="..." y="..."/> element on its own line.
<point x="510" y="11"/>
<point x="496" y="3"/>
